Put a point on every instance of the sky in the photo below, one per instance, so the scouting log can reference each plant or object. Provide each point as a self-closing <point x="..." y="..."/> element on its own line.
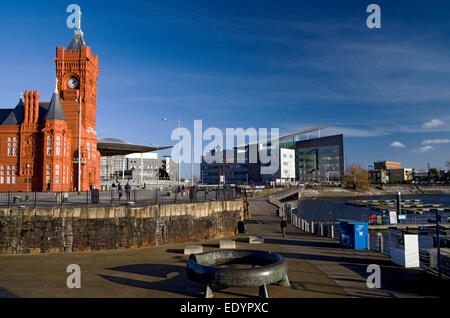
<point x="281" y="64"/>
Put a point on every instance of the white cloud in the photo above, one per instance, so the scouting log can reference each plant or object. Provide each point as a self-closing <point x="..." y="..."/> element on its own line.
<point x="423" y="149"/>
<point x="433" y="123"/>
<point x="397" y="144"/>
<point x="435" y="141"/>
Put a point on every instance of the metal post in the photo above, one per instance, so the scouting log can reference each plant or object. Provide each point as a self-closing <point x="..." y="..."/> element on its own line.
<point x="380" y="242"/>
<point x="438" y="243"/>
<point x="79" y="145"/>
<point x="156" y="195"/>
<point x="332" y="231"/>
<point x="9" y="198"/>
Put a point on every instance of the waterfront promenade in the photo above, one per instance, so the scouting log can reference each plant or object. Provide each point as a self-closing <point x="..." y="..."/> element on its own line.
<point x="318" y="267"/>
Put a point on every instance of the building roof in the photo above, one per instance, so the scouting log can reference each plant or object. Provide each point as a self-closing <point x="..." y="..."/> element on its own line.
<point x="55" y="110"/>
<point x="77" y="41"/>
<point x="116" y="147"/>
<point x="12" y="116"/>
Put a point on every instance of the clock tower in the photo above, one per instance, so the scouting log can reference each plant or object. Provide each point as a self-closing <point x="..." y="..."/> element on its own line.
<point x="77" y="72"/>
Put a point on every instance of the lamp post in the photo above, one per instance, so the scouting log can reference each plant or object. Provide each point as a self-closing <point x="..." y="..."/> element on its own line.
<point x="79" y="142"/>
<point x="157" y="165"/>
<point x="179" y="141"/>
<point x="28" y="179"/>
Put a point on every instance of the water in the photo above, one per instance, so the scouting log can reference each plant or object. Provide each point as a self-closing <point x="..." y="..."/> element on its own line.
<point x="332" y="209"/>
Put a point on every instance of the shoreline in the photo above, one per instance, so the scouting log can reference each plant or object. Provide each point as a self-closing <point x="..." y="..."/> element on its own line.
<point x="334" y="192"/>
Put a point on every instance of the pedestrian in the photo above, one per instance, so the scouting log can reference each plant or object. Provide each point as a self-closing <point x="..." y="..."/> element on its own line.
<point x="48" y="187"/>
<point x="113" y="187"/>
<point x="128" y="191"/>
<point x="119" y="190"/>
<point x="283" y="225"/>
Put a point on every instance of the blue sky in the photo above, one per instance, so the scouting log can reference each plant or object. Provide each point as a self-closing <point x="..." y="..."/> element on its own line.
<point x="286" y="64"/>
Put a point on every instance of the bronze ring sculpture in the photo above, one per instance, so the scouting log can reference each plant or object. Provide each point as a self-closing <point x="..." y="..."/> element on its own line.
<point x="268" y="268"/>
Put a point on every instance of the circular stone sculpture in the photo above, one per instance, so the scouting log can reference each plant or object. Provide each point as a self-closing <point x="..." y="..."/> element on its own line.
<point x="204" y="268"/>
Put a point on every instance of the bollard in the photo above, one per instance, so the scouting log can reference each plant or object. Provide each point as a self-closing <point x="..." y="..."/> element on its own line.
<point x="332" y="231"/>
<point x="321" y="229"/>
<point x="380" y="240"/>
<point x="312" y="227"/>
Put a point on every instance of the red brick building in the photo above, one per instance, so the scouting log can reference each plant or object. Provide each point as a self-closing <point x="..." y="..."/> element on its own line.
<point x="39" y="141"/>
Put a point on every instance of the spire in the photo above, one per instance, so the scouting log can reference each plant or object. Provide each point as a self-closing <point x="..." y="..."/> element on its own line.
<point x="77" y="41"/>
<point x="55" y="110"/>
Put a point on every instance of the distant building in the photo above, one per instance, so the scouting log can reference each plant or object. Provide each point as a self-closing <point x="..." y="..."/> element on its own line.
<point x="390" y="172"/>
<point x="400" y="175"/>
<point x="136" y="169"/>
<point x="386" y="165"/>
<point x="317" y="159"/>
<point x="320" y="159"/>
<point x="378" y="176"/>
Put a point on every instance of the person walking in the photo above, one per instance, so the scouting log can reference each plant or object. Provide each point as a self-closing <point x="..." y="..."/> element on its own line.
<point x="119" y="190"/>
<point x="283" y="225"/>
<point x="128" y="191"/>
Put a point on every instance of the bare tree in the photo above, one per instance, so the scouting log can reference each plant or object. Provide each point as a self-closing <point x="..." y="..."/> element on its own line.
<point x="357" y="177"/>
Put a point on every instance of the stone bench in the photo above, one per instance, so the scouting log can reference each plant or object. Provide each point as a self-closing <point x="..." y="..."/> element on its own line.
<point x="255" y="239"/>
<point x="193" y="249"/>
<point x="227" y="244"/>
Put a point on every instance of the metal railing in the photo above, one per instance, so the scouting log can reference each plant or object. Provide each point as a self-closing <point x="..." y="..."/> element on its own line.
<point x="114" y="197"/>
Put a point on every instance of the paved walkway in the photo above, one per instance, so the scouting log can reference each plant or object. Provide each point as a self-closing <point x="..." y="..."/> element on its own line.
<point x="318" y="267"/>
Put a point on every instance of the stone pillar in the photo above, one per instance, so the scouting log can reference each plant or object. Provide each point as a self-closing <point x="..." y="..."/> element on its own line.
<point x="321" y="229"/>
<point x="332" y="231"/>
<point x="312" y="227"/>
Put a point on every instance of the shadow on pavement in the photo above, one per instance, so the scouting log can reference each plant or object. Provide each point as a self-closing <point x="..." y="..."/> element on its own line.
<point x="407" y="280"/>
<point x="177" y="283"/>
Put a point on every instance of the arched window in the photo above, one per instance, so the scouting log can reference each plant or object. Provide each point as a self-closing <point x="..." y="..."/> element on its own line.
<point x="49" y="145"/>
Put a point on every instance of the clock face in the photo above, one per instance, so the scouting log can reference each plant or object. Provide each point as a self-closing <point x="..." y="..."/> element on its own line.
<point x="73" y="83"/>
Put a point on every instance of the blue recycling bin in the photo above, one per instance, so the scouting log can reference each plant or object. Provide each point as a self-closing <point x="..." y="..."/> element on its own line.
<point x="354" y="234"/>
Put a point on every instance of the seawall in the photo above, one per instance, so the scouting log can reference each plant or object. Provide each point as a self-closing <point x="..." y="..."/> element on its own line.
<point x="58" y="229"/>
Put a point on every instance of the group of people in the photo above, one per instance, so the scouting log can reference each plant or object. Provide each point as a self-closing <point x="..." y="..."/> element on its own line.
<point x="120" y="189"/>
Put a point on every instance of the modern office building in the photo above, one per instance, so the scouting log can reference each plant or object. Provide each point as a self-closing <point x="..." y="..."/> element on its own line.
<point x="318" y="159"/>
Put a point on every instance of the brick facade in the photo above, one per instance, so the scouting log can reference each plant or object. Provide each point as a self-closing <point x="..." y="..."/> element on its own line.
<point x="43" y="149"/>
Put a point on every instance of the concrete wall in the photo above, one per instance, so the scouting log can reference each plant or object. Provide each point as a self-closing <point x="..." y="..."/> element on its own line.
<point x="49" y="230"/>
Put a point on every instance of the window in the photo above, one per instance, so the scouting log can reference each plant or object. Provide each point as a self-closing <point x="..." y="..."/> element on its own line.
<point x="89" y="150"/>
<point x="49" y="145"/>
<point x="2" y="175"/>
<point x="58" y="145"/>
<point x="57" y="173"/>
<point x="14" y="174"/>
<point x="8" y="176"/>
<point x="48" y="173"/>
<point x="12" y="146"/>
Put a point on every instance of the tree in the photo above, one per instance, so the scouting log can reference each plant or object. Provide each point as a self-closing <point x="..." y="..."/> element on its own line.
<point x="434" y="174"/>
<point x="357" y="177"/>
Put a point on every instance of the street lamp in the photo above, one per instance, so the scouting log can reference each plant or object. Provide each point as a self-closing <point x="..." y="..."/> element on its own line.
<point x="179" y="141"/>
<point x="28" y="178"/>
<point x="79" y="142"/>
<point x="157" y="165"/>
